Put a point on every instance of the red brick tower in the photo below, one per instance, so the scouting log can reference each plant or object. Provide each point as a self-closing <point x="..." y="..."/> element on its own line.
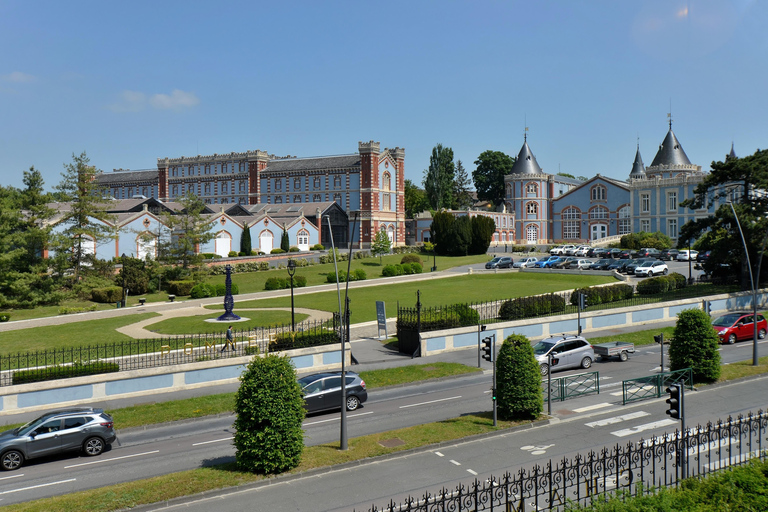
<point x="369" y="196"/>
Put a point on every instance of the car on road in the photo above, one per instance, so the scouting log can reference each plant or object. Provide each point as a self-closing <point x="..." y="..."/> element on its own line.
<point x="322" y="391"/>
<point x="600" y="264"/>
<point x="566" y="352"/>
<point x="685" y="255"/>
<point x="86" y="430"/>
<point x="650" y="268"/>
<point x="500" y="262"/>
<point x="737" y="326"/>
<point x="525" y="262"/>
<point x="668" y="254"/>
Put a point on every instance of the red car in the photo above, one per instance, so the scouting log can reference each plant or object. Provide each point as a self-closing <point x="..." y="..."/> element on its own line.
<point x="738" y="326"/>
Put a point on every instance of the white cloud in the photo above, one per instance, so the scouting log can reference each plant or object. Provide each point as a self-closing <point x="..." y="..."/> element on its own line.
<point x="177" y="100"/>
<point x="18" y="77"/>
<point x="130" y="101"/>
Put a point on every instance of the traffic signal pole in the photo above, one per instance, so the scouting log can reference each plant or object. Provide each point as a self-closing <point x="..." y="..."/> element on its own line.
<point x="676" y="411"/>
<point x="489" y="354"/>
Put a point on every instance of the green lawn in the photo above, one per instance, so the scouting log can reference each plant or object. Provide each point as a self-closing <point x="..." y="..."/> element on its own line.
<point x="436" y="292"/>
<point x="198" y="325"/>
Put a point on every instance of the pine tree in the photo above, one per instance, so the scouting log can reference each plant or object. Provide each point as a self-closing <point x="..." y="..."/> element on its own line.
<point x="186" y="231"/>
<point x="245" y="240"/>
<point x="462" y="196"/>
<point x="285" y="241"/>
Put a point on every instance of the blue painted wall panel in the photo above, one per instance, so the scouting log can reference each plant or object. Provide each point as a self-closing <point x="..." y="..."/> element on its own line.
<point x="302" y="361"/>
<point x="609" y="320"/>
<point x="465" y="340"/>
<point x="139" y="384"/>
<point x="332" y="357"/>
<point x="530" y="331"/>
<point x="213" y="374"/>
<point x="54" y="396"/>
<point x="648" y="315"/>
<point x="436" y="344"/>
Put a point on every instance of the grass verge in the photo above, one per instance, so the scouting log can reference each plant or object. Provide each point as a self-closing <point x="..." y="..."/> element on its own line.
<point x="198" y="325"/>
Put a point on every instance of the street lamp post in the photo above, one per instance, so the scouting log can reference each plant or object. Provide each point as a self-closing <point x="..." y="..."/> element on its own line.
<point x="753" y="283"/>
<point x="690" y="277"/>
<point x="291" y="271"/>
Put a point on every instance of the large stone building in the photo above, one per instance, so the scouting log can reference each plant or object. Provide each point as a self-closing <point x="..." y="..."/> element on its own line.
<point x="368" y="185"/>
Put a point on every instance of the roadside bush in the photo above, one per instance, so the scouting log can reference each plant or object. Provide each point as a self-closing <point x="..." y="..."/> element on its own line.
<point x="456" y="315"/>
<point x="277" y="250"/>
<point x="202" y="291"/>
<point x="209" y="256"/>
<point x="180" y="288"/>
<point x="107" y="295"/>
<point x="5" y="317"/>
<point x="317" y="247"/>
<point x="603" y="294"/>
<point x="221" y="289"/>
<point x="653" y="285"/>
<point x="680" y="280"/>
<point x="331" y="276"/>
<point x="72" y="310"/>
<point x="276" y="283"/>
<point x="269" y="410"/>
<point x="529" y="307"/>
<point x="411" y="258"/>
<point x="299" y="281"/>
<point x="360" y="274"/>
<point x="232" y="254"/>
<point x="407" y="268"/>
<point x="695" y="345"/>
<point x="518" y="381"/>
<point x="263" y="265"/>
<point x="64" y="372"/>
<point x="293" y="248"/>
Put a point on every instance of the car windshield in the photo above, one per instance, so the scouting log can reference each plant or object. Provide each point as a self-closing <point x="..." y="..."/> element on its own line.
<point x="646" y="264"/>
<point x="32" y="425"/>
<point x="495" y="260"/>
<point x="603" y="262"/>
<point x="542" y="348"/>
<point x="725" y="320"/>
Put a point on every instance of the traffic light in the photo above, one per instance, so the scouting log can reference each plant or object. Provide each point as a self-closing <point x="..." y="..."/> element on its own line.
<point x="583" y="302"/>
<point x="488" y="348"/>
<point x="708" y="307"/>
<point x="675" y="401"/>
<point x="493" y="393"/>
<point x="659" y="338"/>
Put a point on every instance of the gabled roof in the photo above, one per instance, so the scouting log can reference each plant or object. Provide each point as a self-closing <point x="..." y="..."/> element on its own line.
<point x="282" y="210"/>
<point x="526" y="163"/>
<point x="670" y="152"/>
<point x="313" y="163"/>
<point x="121" y="177"/>
<point x="610" y="181"/>
<point x="638" y="169"/>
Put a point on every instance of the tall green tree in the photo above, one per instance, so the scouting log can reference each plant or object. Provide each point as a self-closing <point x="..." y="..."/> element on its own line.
<point x="186" y="230"/>
<point x="381" y="244"/>
<point x="492" y="166"/>
<point x="518" y="380"/>
<point x="245" y="240"/>
<point x="415" y="199"/>
<point x="285" y="241"/>
<point x="462" y="236"/>
<point x="439" y="178"/>
<point x="483" y="229"/>
<point x="86" y="222"/>
<point x="441" y="232"/>
<point x="742" y="182"/>
<point x="269" y="410"/>
<point x="695" y="345"/>
<point x="462" y="191"/>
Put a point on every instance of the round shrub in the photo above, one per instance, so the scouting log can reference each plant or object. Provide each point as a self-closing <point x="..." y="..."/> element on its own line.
<point x="221" y="289"/>
<point x="276" y="250"/>
<point x="360" y="275"/>
<point x="317" y="247"/>
<point x="653" y="285"/>
<point x="417" y="269"/>
<point x="299" y="281"/>
<point x="680" y="280"/>
<point x="518" y="381"/>
<point x="5" y="317"/>
<point x="232" y="254"/>
<point x="202" y="291"/>
<point x="389" y="271"/>
<point x="695" y="345"/>
<point x="107" y="294"/>
<point x="180" y="288"/>
<point x="411" y="258"/>
<point x="293" y="248"/>
<point x="466" y="314"/>
<point x="276" y="283"/>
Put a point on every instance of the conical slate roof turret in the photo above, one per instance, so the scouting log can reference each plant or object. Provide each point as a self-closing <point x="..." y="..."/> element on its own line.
<point x="670" y="151"/>
<point x="638" y="169"/>
<point x="732" y="154"/>
<point x="526" y="163"/>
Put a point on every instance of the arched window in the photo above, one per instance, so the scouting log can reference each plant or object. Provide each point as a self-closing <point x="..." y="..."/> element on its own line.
<point x="598" y="193"/>
<point x="625" y="223"/>
<point x="571" y="224"/>
<point x="532" y="209"/>
<point x="302" y="240"/>
<point x="509" y="190"/>
<point x="337" y="182"/>
<point x="385" y="181"/>
<point x="598" y="212"/>
<point x="297" y="198"/>
<point x="532" y="189"/>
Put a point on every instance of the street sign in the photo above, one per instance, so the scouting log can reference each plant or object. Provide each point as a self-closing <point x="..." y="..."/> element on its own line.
<point x="381" y="318"/>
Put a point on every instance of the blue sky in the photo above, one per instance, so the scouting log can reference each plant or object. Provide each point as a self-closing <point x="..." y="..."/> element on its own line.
<point x="129" y="82"/>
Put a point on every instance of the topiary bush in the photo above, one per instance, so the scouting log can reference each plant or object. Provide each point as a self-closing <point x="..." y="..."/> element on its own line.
<point x="317" y="247"/>
<point x="411" y="258"/>
<point x="277" y="250"/>
<point x="529" y="307"/>
<point x="680" y="280"/>
<point x="202" y="291"/>
<point x="293" y="248"/>
<point x="299" y="281"/>
<point x="221" y="289"/>
<point x="654" y="285"/>
<point x="4" y="317"/>
<point x="276" y="283"/>
<point x="269" y="409"/>
<point x="695" y="345"/>
<point x="107" y="294"/>
<point x="603" y="294"/>
<point x="518" y="381"/>
<point x="180" y="287"/>
<point x="360" y="274"/>
<point x="232" y="254"/>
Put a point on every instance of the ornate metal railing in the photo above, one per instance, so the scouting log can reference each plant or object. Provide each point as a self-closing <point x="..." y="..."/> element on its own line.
<point x="636" y="469"/>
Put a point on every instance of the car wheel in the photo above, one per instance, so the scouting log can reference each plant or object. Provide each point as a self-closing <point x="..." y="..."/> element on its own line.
<point x="586" y="363"/>
<point x="12" y="459"/>
<point x="666" y="271"/>
<point x="93" y="446"/>
<point x="731" y="339"/>
<point x="623" y="356"/>
<point x="650" y="274"/>
<point x="761" y="334"/>
<point x="352" y="403"/>
<point x="544" y="369"/>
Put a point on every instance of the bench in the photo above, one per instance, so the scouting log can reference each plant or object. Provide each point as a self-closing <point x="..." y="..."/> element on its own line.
<point x="171" y="298"/>
<point x="142" y="301"/>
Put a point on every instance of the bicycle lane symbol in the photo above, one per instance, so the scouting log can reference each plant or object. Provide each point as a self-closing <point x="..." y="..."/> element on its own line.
<point x="537" y="450"/>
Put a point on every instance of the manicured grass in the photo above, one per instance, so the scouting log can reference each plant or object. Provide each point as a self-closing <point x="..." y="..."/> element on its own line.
<point x="220" y="476"/>
<point x="436" y="292"/>
<point x="413" y="373"/>
<point x="75" y="334"/>
<point x="743" y="369"/>
<point x="198" y="325"/>
<point x="637" y="337"/>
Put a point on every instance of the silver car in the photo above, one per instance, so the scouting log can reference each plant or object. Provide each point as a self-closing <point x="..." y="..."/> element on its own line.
<point x="322" y="391"/>
<point x="87" y="430"/>
<point x="566" y="351"/>
<point x="525" y="262"/>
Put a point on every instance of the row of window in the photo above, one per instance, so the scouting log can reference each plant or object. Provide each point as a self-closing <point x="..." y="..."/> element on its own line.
<point x="208" y="188"/>
<point x="198" y="170"/>
<point x="572" y="229"/>
<point x="128" y="192"/>
<point x="316" y="198"/>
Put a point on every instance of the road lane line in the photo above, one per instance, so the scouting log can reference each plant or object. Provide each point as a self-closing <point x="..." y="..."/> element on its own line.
<point x="214" y="441"/>
<point x="592" y="407"/>
<point x="617" y="419"/>
<point x="430" y="402"/>
<point x="110" y="460"/>
<point x="38" y="486"/>
<point x="472" y="472"/>
<point x="641" y="428"/>
<point x="439" y="454"/>
<point x="12" y="476"/>
<point x="336" y="419"/>
<point x="455" y="463"/>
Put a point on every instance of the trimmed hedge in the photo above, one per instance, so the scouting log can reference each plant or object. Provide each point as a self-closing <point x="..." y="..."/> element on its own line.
<point x="180" y="288"/>
<point x="529" y="307"/>
<point x="293" y="248"/>
<point x="64" y="372"/>
<point x="281" y="283"/>
<point x="656" y="285"/>
<point x="317" y="247"/>
<point x="203" y="291"/>
<point x="292" y="340"/>
<point x="276" y="250"/>
<point x="232" y="254"/>
<point x="603" y="294"/>
<point x="457" y="315"/>
<point x="221" y="289"/>
<point x="71" y="310"/>
<point x="107" y="295"/>
<point x="400" y="269"/>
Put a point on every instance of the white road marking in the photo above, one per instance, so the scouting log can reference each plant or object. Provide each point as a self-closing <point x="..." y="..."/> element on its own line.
<point x="455" y="463"/>
<point x="430" y="402"/>
<point x="439" y="454"/>
<point x="641" y="428"/>
<point x="472" y="472"/>
<point x="38" y="486"/>
<point x="592" y="407"/>
<point x="335" y="419"/>
<point x="617" y="419"/>
<point x="214" y="441"/>
<point x="12" y="476"/>
<point x="110" y="460"/>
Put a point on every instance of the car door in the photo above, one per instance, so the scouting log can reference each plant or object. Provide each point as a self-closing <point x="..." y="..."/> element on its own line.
<point x="746" y="329"/>
<point x="314" y="396"/>
<point x="559" y="358"/>
<point x="73" y="433"/>
<point x="332" y="392"/>
<point x="45" y="439"/>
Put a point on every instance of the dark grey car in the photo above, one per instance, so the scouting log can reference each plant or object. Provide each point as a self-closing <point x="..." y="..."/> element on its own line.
<point x="87" y="430"/>
<point x="322" y="391"/>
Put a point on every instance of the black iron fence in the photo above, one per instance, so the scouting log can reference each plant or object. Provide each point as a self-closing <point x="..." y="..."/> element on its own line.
<point x="67" y="362"/>
<point x="636" y="469"/>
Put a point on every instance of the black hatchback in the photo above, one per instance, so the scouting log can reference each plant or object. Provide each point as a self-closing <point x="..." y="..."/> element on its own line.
<point x="322" y="391"/>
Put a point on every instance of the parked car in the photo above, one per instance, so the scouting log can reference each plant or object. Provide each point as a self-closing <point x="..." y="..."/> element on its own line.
<point x="322" y="391"/>
<point x="614" y="253"/>
<point x="685" y="255"/>
<point x="543" y="263"/>
<point x="738" y="325"/>
<point x="562" y="250"/>
<point x="567" y="352"/>
<point x="581" y="264"/>
<point x="650" y="268"/>
<point x="703" y="256"/>
<point x="630" y="267"/>
<point x="87" y="430"/>
<point x="647" y="252"/>
<point x="616" y="265"/>
<point x="525" y="262"/>
<point x="668" y="254"/>
<point x="500" y="262"/>
<point x="581" y="250"/>
<point x="600" y="264"/>
<point x="565" y="262"/>
<point x="597" y="252"/>
<point x="623" y="264"/>
<point x="625" y="254"/>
